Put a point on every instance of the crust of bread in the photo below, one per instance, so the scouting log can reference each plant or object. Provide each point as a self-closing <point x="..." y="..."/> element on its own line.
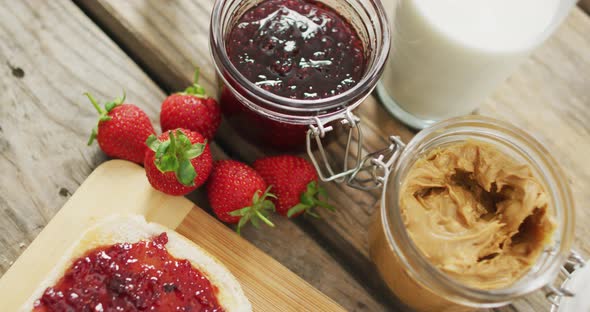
<point x="133" y="228"/>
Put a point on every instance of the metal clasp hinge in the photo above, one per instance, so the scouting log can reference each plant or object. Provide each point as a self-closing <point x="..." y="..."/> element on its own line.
<point x="318" y="131"/>
<point x="554" y="293"/>
<point x="377" y="164"/>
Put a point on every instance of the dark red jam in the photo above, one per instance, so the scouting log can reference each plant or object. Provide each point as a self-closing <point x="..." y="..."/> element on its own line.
<point x="300" y="49"/>
<point x="131" y="277"/>
<point x="297" y="48"/>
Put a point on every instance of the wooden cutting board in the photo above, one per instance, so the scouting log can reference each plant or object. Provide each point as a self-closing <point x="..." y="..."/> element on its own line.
<point x="119" y="186"/>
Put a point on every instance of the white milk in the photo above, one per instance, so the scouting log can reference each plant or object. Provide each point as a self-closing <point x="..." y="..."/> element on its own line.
<point x="449" y="55"/>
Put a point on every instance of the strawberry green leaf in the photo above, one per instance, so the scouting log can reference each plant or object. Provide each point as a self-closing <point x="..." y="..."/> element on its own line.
<point x="109" y="106"/>
<point x="152" y="142"/>
<point x="186" y="173"/>
<point x="167" y="163"/>
<point x="258" y="211"/>
<point x="118" y="101"/>
<point x="297" y="209"/>
<point x="242" y="222"/>
<point x="255" y="222"/>
<point x="322" y="192"/>
<point x="182" y="140"/>
<point x="195" y="150"/>
<point x="264" y="219"/>
<point x="162" y="149"/>
<point x="94" y="103"/>
<point x="93" y="136"/>
<point x="309" y="200"/>
<point x="175" y="154"/>
<point x="256" y="197"/>
<point x="312" y="187"/>
<point x="172" y="140"/>
<point x="268" y="205"/>
<point x="102" y="113"/>
<point x="196" y="89"/>
<point x="240" y="212"/>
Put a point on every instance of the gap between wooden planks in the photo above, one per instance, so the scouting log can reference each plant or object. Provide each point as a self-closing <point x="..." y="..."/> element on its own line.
<point x="585" y="5"/>
<point x="50" y="53"/>
<point x="548" y="97"/>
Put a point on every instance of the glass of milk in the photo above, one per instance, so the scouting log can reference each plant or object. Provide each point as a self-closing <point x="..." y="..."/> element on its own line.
<point x="447" y="56"/>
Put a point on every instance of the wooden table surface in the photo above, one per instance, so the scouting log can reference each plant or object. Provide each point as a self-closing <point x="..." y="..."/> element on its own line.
<point x="53" y="51"/>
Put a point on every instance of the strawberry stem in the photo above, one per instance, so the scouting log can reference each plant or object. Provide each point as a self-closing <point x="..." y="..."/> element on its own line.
<point x="259" y="210"/>
<point x="196" y="77"/>
<point x="175" y="154"/>
<point x="310" y="199"/>
<point x="94" y="103"/>
<point x="264" y="219"/>
<point x="102" y="113"/>
<point x="196" y="89"/>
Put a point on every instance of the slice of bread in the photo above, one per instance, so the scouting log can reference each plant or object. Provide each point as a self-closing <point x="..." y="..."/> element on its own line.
<point x="133" y="228"/>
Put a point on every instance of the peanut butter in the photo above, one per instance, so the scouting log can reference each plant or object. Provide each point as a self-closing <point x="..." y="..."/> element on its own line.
<point x="476" y="214"/>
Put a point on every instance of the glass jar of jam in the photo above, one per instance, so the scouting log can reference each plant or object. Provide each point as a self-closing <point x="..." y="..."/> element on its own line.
<point x="284" y="65"/>
<point x="474" y="213"/>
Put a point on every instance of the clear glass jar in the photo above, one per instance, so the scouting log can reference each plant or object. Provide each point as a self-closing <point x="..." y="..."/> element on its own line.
<point x="270" y="120"/>
<point x="409" y="274"/>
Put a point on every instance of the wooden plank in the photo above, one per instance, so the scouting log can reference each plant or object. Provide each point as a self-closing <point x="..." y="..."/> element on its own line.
<point x="50" y="53"/>
<point x="548" y="94"/>
<point x="267" y="284"/>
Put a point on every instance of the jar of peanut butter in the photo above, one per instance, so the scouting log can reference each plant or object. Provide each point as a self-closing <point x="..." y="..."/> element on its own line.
<point x="474" y="213"/>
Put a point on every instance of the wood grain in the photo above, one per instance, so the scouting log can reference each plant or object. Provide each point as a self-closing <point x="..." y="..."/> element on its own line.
<point x="50" y="53"/>
<point x="548" y="96"/>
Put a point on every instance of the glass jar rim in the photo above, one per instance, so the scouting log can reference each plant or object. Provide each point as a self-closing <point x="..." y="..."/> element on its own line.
<point x="369" y="79"/>
<point x="411" y="257"/>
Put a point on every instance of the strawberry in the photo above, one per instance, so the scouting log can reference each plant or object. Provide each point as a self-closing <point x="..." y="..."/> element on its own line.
<point x="121" y="130"/>
<point x="295" y="183"/>
<point x="238" y="194"/>
<point x="191" y="109"/>
<point x="178" y="161"/>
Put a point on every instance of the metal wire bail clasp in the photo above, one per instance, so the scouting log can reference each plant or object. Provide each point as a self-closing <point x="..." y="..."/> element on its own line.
<point x="368" y="172"/>
<point x="555" y="293"/>
<point x="377" y="165"/>
<point x="318" y="131"/>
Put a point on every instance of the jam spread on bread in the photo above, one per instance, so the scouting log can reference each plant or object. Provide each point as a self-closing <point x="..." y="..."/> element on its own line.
<point x="141" y="276"/>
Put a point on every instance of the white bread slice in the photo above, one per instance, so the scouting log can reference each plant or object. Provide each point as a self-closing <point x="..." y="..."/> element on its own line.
<point x="133" y="228"/>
